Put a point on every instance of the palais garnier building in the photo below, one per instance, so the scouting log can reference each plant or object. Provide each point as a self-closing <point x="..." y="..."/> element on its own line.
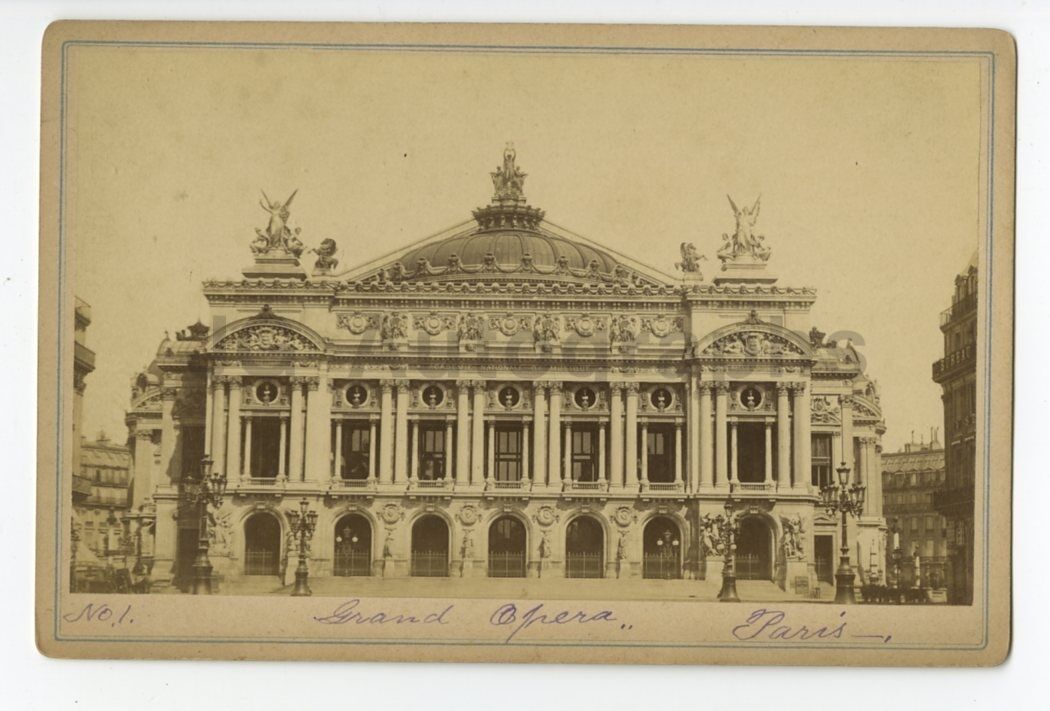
<point x="506" y="399"/>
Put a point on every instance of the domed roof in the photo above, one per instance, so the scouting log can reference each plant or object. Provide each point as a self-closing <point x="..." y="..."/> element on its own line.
<point x="509" y="243"/>
<point x="510" y="249"/>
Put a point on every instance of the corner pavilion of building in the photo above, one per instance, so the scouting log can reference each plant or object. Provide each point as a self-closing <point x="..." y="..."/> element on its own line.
<point x="506" y="399"/>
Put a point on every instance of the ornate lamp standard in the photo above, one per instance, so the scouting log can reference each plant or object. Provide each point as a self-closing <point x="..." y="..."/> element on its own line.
<point x="205" y="489"/>
<point x="303" y="523"/>
<point x="727" y="532"/>
<point x="844" y="499"/>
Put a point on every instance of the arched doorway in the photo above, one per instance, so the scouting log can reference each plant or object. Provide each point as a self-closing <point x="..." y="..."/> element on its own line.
<point x="430" y="547"/>
<point x="262" y="544"/>
<point x="584" y="548"/>
<point x="754" y="550"/>
<point x="507" y="548"/>
<point x="662" y="549"/>
<point x="353" y="546"/>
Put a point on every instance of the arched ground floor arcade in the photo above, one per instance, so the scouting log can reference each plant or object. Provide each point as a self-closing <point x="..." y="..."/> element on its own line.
<point x="788" y="543"/>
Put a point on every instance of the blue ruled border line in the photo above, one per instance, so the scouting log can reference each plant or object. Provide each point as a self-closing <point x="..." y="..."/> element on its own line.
<point x="63" y="341"/>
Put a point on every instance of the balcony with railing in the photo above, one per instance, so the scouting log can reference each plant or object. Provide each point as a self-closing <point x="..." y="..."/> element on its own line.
<point x="963" y="358"/>
<point x="963" y="307"/>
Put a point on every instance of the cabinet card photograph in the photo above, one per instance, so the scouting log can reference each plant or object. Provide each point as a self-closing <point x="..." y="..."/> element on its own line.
<point x="526" y="343"/>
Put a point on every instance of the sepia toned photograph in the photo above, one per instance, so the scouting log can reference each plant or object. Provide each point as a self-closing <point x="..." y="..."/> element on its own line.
<point x="502" y="337"/>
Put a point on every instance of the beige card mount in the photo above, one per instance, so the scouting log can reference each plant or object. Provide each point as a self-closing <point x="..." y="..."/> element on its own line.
<point x="444" y="342"/>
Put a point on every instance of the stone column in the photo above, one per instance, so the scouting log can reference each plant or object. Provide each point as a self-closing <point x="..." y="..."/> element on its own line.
<point x="846" y="408"/>
<point x="282" y="453"/>
<point x="693" y="425"/>
<point x="802" y="437"/>
<point x="413" y="443"/>
<point x="706" y="438"/>
<point x="554" y="435"/>
<point x="733" y="474"/>
<point x="386" y="431"/>
<point x="871" y="477"/>
<point x="525" y="453"/>
<point x="783" y="437"/>
<point x="401" y="434"/>
<point x="769" y="454"/>
<point x="490" y="469"/>
<point x="318" y="427"/>
<point x="448" y="450"/>
<point x="566" y="470"/>
<point x="167" y="437"/>
<point x="630" y="437"/>
<point x="645" y="455"/>
<point x="477" y="441"/>
<point x="603" y="476"/>
<point x="678" y="454"/>
<point x="218" y="422"/>
<point x="721" y="432"/>
<point x="371" y="450"/>
<point x="143" y="468"/>
<point x="246" y="467"/>
<point x="836" y="453"/>
<point x="337" y="462"/>
<point x="233" y="430"/>
<point x="539" y="463"/>
<point x="296" y="432"/>
<point x="462" y="473"/>
<point x="616" y="434"/>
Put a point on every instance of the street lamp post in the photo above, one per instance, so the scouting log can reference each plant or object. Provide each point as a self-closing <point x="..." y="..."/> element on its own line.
<point x="727" y="532"/>
<point x="845" y="499"/>
<point x="303" y="523"/>
<point x="205" y="489"/>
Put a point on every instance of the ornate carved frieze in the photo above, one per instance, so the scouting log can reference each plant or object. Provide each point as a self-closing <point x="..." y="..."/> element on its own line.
<point x="265" y="337"/>
<point x="470" y="331"/>
<point x="823" y="411"/>
<point x="753" y="344"/>
<point x="393" y="330"/>
<point x="623" y="333"/>
<point x="545" y="331"/>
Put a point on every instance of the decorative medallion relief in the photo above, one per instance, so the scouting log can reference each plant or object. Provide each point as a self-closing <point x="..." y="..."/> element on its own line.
<point x="468" y="515"/>
<point x="584" y="325"/>
<point x="625" y="516"/>
<point x="357" y="323"/>
<point x="392" y="513"/>
<point x="510" y="324"/>
<point x="434" y="323"/>
<point x="546" y="516"/>
<point x="663" y="326"/>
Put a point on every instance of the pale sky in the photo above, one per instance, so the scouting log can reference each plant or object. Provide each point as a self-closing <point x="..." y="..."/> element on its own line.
<point x="868" y="171"/>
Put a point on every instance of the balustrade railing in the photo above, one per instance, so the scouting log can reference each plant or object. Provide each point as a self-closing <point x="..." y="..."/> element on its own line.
<point x="260" y="563"/>
<point x="582" y="564"/>
<point x="662" y="566"/>
<point x="507" y="564"/>
<point x="430" y="564"/>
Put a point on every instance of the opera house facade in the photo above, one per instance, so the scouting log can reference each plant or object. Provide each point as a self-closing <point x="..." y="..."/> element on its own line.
<point x="506" y="399"/>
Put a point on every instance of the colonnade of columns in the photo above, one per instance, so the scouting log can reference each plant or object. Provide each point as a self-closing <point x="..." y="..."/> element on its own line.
<point x="705" y="440"/>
